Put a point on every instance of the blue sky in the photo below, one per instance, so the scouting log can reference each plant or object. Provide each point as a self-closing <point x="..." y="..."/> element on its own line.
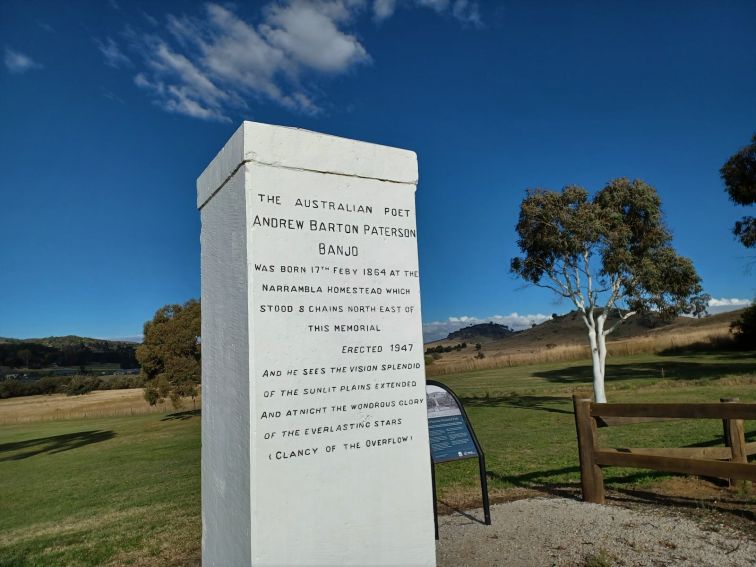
<point x="112" y="109"/>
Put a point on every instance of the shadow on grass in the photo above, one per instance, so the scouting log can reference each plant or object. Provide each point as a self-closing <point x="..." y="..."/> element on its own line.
<point x="541" y="403"/>
<point x="461" y="512"/>
<point x="537" y="480"/>
<point x="52" y="445"/>
<point x="672" y="370"/>
<point x="182" y="415"/>
<point x="725" y="505"/>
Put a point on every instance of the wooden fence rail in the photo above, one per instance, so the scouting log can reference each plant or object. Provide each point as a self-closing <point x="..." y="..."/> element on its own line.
<point x="729" y="462"/>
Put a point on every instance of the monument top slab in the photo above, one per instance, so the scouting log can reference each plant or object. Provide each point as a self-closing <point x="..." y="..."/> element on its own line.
<point x="295" y="148"/>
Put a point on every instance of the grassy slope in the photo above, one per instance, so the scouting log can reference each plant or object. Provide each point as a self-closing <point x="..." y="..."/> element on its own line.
<point x="100" y="490"/>
<point x="125" y="491"/>
<point x="523" y="415"/>
<point x="568" y="338"/>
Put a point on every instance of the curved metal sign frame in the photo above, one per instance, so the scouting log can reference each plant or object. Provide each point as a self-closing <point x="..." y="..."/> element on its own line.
<point x="481" y="457"/>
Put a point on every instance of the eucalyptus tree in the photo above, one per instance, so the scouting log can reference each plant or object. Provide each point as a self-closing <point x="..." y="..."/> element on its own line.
<point x="739" y="176"/>
<point x="611" y="253"/>
<point x="170" y="354"/>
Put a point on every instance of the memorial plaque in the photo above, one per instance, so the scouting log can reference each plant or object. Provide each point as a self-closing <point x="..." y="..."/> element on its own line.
<point x="314" y="434"/>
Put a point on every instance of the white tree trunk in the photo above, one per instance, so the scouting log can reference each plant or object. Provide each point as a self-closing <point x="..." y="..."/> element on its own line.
<point x="594" y="338"/>
<point x="598" y="386"/>
<point x="599" y="395"/>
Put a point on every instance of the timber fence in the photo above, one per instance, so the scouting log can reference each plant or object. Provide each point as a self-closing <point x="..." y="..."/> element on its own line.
<point x="728" y="462"/>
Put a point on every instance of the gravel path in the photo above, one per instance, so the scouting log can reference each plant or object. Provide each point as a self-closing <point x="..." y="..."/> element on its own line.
<point x="556" y="531"/>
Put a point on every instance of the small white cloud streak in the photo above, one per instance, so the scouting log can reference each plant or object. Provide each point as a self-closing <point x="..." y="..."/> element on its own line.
<point x="383" y="9"/>
<point x="440" y="329"/>
<point x="729" y="302"/>
<point x="19" y="63"/>
<point x="466" y="11"/>
<point x="112" y="53"/>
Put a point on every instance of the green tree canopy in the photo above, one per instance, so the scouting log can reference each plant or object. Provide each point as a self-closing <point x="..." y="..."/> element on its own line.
<point x="170" y="353"/>
<point x="611" y="253"/>
<point x="739" y="176"/>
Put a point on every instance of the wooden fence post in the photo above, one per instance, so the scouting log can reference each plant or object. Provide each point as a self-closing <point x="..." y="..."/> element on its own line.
<point x="734" y="438"/>
<point x="734" y="435"/>
<point x="591" y="477"/>
<point x="726" y="422"/>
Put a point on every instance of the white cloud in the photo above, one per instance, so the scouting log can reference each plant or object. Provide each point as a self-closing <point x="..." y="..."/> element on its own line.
<point x="19" y="63"/>
<point x="383" y="9"/>
<point x="727" y="304"/>
<point x="114" y="57"/>
<point x="437" y="5"/>
<point x="210" y="65"/>
<point x="207" y="66"/>
<point x="45" y="26"/>
<point x="440" y="329"/>
<point x="466" y="11"/>
<point x="309" y="35"/>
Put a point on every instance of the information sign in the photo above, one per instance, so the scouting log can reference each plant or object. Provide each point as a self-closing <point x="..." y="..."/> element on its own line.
<point x="450" y="437"/>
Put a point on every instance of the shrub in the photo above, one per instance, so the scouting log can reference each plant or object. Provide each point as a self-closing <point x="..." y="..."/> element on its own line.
<point x="744" y="329"/>
<point x="82" y="385"/>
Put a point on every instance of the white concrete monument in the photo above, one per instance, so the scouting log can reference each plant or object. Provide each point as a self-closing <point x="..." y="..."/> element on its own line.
<point x="314" y="424"/>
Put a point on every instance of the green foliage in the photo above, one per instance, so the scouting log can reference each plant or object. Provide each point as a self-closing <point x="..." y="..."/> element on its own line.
<point x="618" y="238"/>
<point x="65" y="352"/>
<point x="170" y="353"/>
<point x="82" y="385"/>
<point x="745" y="329"/>
<point x="739" y="176"/>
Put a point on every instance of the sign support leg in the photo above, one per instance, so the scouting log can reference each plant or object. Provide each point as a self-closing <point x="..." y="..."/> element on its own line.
<point x="484" y="488"/>
<point x="435" y="506"/>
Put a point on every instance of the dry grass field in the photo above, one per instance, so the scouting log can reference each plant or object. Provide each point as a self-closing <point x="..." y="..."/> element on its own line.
<point x="566" y="340"/>
<point x="99" y="403"/>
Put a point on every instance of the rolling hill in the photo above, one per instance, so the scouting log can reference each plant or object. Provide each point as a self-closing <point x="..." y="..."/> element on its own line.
<point x="565" y="338"/>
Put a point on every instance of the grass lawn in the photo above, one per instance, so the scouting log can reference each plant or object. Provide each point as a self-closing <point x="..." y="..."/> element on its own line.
<point x="126" y="490"/>
<point x="100" y="491"/>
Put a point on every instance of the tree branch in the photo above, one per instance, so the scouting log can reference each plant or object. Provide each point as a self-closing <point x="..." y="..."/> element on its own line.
<point x="618" y="323"/>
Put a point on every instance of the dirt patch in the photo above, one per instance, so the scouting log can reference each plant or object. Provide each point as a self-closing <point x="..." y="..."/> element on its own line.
<point x="565" y="532"/>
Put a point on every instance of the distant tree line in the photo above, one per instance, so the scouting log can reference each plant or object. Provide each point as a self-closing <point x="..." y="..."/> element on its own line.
<point x="442" y="349"/>
<point x="70" y="385"/>
<point x="36" y="355"/>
